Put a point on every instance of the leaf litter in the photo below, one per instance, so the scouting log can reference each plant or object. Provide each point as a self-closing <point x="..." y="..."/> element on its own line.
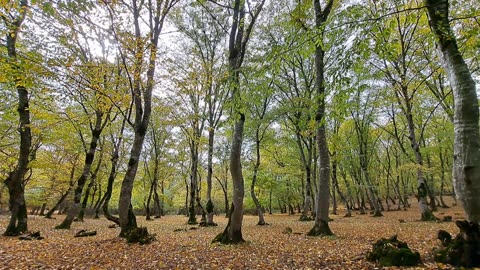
<point x="267" y="247"/>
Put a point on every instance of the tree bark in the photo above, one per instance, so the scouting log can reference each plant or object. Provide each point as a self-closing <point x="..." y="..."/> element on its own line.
<point x="238" y="40"/>
<point x="15" y="179"/>
<point x="323" y="197"/>
<point x="142" y="96"/>
<point x="261" y="219"/>
<point x="89" y="157"/>
<point x="466" y="161"/>
<point x="64" y="196"/>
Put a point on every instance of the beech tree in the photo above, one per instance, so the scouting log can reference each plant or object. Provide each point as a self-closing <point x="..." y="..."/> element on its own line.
<point x="243" y="20"/>
<point x="13" y="17"/>
<point x="148" y="20"/>
<point x="466" y="152"/>
<point x="323" y="196"/>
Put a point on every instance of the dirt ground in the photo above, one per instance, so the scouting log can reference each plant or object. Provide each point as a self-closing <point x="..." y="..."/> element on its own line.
<point x="266" y="247"/>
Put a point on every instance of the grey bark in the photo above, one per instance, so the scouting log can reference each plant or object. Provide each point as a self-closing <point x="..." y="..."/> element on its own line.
<point x="238" y="40"/>
<point x="321" y="226"/>
<point x="142" y="97"/>
<point x="466" y="161"/>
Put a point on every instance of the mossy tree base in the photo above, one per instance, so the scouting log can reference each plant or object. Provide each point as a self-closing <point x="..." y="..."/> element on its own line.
<point x="392" y="252"/>
<point x="377" y="214"/>
<point x="464" y="250"/>
<point x="63" y="226"/>
<point x="139" y="235"/>
<point x="208" y="224"/>
<point x="320" y="229"/>
<point x="227" y="239"/>
<point x="131" y="224"/>
<point x="305" y="218"/>
<point x="428" y="216"/>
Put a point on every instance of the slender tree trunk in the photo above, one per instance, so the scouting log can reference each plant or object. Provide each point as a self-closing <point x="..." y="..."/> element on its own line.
<point x="141" y="96"/>
<point x="261" y="219"/>
<point x="93" y="177"/>
<point x="64" y="195"/>
<point x="147" y="205"/>
<point x="89" y="157"/>
<point x="210" y="206"/>
<point x="239" y="36"/>
<point x="466" y="162"/>
<point x="15" y="179"/>
<point x="422" y="186"/>
<point x="193" y="180"/>
<point x="323" y="197"/>
<point x="111" y="179"/>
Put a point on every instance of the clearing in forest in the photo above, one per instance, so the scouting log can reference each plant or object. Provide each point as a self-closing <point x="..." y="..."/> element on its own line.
<point x="179" y="246"/>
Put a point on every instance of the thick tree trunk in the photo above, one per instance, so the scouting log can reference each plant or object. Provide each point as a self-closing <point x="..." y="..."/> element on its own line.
<point x="126" y="217"/>
<point x="466" y="162"/>
<point x="15" y="179"/>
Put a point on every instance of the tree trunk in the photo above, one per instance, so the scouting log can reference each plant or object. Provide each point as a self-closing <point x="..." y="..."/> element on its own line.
<point x="93" y="177"/>
<point x="210" y="206"/>
<point x="15" y="179"/>
<point x="193" y="179"/>
<point x="64" y="195"/>
<point x="261" y="219"/>
<point x="111" y="179"/>
<point x="126" y="216"/>
<point x="466" y="162"/>
<point x="323" y="197"/>
<point x="239" y="36"/>
<point x="141" y="96"/>
<point x="89" y="157"/>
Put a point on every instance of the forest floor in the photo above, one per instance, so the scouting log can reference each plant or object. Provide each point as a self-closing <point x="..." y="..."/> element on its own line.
<point x="267" y="247"/>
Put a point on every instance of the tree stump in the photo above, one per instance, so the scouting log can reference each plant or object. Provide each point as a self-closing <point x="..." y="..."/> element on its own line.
<point x="392" y="252"/>
<point x="464" y="250"/>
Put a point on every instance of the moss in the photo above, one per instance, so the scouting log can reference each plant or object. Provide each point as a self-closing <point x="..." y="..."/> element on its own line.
<point x="139" y="235"/>
<point x="392" y="252"/>
<point x="320" y="229"/>
<point x="305" y="218"/>
<point x="463" y="250"/>
<point x="209" y="206"/>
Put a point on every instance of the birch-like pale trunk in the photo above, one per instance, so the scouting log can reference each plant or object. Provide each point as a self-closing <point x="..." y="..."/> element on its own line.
<point x="466" y="151"/>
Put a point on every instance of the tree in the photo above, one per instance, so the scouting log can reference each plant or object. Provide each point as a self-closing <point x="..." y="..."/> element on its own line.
<point x="323" y="196"/>
<point x="466" y="161"/>
<point x="397" y="41"/>
<point x="259" y="111"/>
<point x="13" y="18"/>
<point x="240" y="33"/>
<point x="143" y="60"/>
